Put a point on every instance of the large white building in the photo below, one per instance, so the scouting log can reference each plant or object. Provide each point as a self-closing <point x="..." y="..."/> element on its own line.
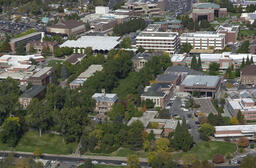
<point x="158" y="41"/>
<point x="235" y="131"/>
<point x="204" y="40"/>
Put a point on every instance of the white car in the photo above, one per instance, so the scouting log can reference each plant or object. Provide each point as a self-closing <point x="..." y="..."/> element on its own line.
<point x="124" y="164"/>
<point x="186" y="110"/>
<point x="95" y="162"/>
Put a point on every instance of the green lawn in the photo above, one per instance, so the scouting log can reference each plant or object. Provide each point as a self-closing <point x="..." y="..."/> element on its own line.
<point x="248" y="32"/>
<point x="124" y="152"/>
<point x="206" y="150"/>
<point x="47" y="143"/>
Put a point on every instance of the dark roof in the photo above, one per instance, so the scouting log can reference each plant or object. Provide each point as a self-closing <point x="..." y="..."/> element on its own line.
<point x="182" y="69"/>
<point x="167" y="77"/>
<point x="155" y="90"/>
<point x="33" y="91"/>
<point x="249" y="70"/>
<point x="145" y="55"/>
<point x="74" y="58"/>
<point x="69" y="24"/>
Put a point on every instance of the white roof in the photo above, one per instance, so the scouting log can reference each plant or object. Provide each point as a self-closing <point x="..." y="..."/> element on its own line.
<point x="177" y="58"/>
<point x="18" y="61"/>
<point x="235" y="104"/>
<point x="90" y="71"/>
<point x="247" y="100"/>
<point x="15" y="75"/>
<point x="225" y="55"/>
<point x="96" y="42"/>
<point x="243" y="128"/>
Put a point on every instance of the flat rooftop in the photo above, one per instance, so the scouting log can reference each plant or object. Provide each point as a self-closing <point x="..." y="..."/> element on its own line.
<point x="41" y="72"/>
<point x="201" y="80"/>
<point x="203" y="34"/>
<point x="96" y="42"/>
<point x="157" y="34"/>
<point x="25" y="36"/>
<point x="90" y="71"/>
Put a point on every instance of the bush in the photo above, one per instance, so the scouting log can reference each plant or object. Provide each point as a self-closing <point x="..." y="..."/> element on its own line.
<point x="252" y="146"/>
<point x="243" y="142"/>
<point x="218" y="158"/>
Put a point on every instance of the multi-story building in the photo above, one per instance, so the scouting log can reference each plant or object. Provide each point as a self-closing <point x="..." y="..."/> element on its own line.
<point x="140" y="59"/>
<point x="68" y="28"/>
<point x="143" y="9"/>
<point x="204" y="40"/>
<point x="42" y="77"/>
<point x="207" y="11"/>
<point x="35" y="91"/>
<point x="158" y="93"/>
<point x="79" y="81"/>
<point x="40" y="46"/>
<point x="104" y="101"/>
<point x="235" y="131"/>
<point x="245" y="105"/>
<point x="207" y="86"/>
<point x="230" y="31"/>
<point x="25" y="39"/>
<point x="248" y="75"/>
<point x="158" y="41"/>
<point x="225" y="59"/>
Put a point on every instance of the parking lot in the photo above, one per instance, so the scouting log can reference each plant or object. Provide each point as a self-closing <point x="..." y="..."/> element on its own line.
<point x="206" y="105"/>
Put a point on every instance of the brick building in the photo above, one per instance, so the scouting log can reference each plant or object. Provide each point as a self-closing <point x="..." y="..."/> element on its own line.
<point x="68" y="28"/>
<point x="35" y="91"/>
<point x="104" y="101"/>
<point x="42" y="77"/>
<point x="40" y="46"/>
<point x="207" y="11"/>
<point x="207" y="86"/>
<point x="231" y="33"/>
<point x="248" y="75"/>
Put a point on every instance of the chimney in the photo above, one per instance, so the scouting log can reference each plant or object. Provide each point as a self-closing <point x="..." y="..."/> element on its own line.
<point x="103" y="92"/>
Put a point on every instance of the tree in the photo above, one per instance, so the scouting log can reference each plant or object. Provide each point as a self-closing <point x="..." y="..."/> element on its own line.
<point x="182" y="139"/>
<point x="140" y="50"/>
<point x="37" y="153"/>
<point x="243" y="142"/>
<point x="46" y="51"/>
<point x="32" y="50"/>
<point x="5" y="47"/>
<point x="87" y="164"/>
<point x="248" y="162"/>
<point x="247" y="61"/>
<point x="20" y="49"/>
<point x="251" y="60"/>
<point x="125" y="43"/>
<point x="185" y="48"/>
<point x="199" y="63"/>
<point x="11" y="131"/>
<point x="244" y="48"/>
<point x="38" y="116"/>
<point x="149" y="103"/>
<point x="194" y="63"/>
<point x="214" y="68"/>
<point x="234" y="121"/>
<point x="207" y="129"/>
<point x="218" y="158"/>
<point x="162" y="144"/>
<point x="134" y="137"/>
<point x="133" y="161"/>
<point x="240" y="117"/>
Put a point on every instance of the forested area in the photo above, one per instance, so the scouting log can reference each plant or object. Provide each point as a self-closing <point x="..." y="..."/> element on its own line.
<point x="130" y="26"/>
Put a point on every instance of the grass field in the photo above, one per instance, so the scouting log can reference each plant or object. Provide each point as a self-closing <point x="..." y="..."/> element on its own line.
<point x="206" y="151"/>
<point x="47" y="143"/>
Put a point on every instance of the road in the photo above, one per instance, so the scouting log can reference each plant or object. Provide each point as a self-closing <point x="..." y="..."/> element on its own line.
<point x="75" y="159"/>
<point x="175" y="109"/>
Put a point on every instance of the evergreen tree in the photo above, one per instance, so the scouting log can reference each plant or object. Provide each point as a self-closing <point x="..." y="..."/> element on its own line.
<point x="243" y="63"/>
<point x="251" y="61"/>
<point x="194" y="63"/>
<point x="182" y="139"/>
<point x="199" y="64"/>
<point x="247" y="61"/>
